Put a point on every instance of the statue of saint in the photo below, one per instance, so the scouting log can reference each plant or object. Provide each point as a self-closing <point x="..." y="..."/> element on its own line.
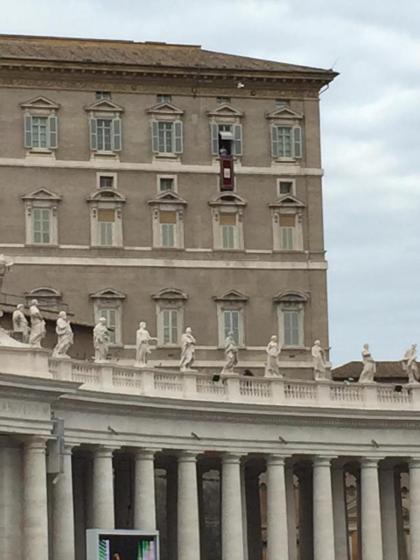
<point x="20" y="323"/>
<point x="38" y="328"/>
<point x="319" y="362"/>
<point x="409" y="364"/>
<point x="101" y="340"/>
<point x="369" y="366"/>
<point x="64" y="336"/>
<point x="143" y="343"/>
<point x="187" y="350"/>
<point x="273" y="352"/>
<point x="231" y="354"/>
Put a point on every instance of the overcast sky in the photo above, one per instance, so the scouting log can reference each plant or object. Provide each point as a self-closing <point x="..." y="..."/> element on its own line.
<point x="370" y="126"/>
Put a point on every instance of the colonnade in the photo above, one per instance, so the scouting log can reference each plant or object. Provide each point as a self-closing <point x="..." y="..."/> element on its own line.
<point x="323" y="496"/>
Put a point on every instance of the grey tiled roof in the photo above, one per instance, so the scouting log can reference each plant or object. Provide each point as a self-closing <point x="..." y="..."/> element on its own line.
<point x="384" y="370"/>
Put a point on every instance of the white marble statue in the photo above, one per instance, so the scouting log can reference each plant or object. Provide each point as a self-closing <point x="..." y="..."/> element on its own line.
<point x="20" y="323"/>
<point x="143" y="343"/>
<point x="64" y="336"/>
<point x="319" y="362"/>
<point x="38" y="328"/>
<point x="369" y="366"/>
<point x="101" y="340"/>
<point x="273" y="352"/>
<point x="5" y="264"/>
<point x="231" y="354"/>
<point x="187" y="350"/>
<point x="409" y="364"/>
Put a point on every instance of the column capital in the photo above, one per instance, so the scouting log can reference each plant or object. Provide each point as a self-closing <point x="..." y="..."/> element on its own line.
<point x="370" y="462"/>
<point x="276" y="459"/>
<point x="187" y="456"/>
<point x="145" y="453"/>
<point x="323" y="460"/>
<point x="231" y="458"/>
<point x="414" y="463"/>
<point x="36" y="444"/>
<point x="104" y="451"/>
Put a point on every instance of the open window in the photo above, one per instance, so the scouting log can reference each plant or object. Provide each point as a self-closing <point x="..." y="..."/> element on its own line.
<point x="226" y="130"/>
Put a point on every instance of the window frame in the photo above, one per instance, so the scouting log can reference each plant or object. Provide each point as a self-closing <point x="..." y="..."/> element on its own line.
<point x="105" y="109"/>
<point x="280" y="180"/>
<point x="233" y="305"/>
<point x="227" y="203"/>
<point x="285" y="117"/>
<point x="114" y="177"/>
<point x="174" y="179"/>
<point x="40" y="107"/>
<point x="106" y="199"/>
<point x="41" y="199"/>
<point x="169" y="299"/>
<point x="291" y="301"/>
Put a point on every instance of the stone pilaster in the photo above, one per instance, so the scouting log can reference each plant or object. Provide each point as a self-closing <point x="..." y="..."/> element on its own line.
<point x="277" y="530"/>
<point x="323" y="510"/>
<point x="188" y="516"/>
<point x="371" y="511"/>
<point x="144" y="490"/>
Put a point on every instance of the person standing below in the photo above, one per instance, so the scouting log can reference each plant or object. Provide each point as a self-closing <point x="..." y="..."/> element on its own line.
<point x="20" y="323"/>
<point x="38" y="328"/>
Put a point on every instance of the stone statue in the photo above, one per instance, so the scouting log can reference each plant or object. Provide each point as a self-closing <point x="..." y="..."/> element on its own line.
<point x="38" y="328"/>
<point x="409" y="364"/>
<point x="369" y="366"/>
<point x="273" y="352"/>
<point x="64" y="336"/>
<point x="319" y="362"/>
<point x="20" y="323"/>
<point x="5" y="264"/>
<point x="143" y="343"/>
<point x="231" y="354"/>
<point x="101" y="340"/>
<point x="187" y="350"/>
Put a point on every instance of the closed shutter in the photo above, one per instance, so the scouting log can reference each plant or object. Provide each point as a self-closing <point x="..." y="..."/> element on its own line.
<point x="274" y="141"/>
<point x="214" y="139"/>
<point x="227" y="219"/>
<point x="155" y="137"/>
<point x="297" y="142"/>
<point x="287" y="220"/>
<point x="178" y="137"/>
<point x="237" y="139"/>
<point x="53" y="133"/>
<point x="167" y="217"/>
<point x="28" y="131"/>
<point x="116" y="134"/>
<point x="93" y="128"/>
<point x="106" y="215"/>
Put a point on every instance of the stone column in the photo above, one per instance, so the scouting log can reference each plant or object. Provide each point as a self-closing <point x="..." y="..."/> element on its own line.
<point x="277" y="533"/>
<point x="414" y="469"/>
<point x="371" y="511"/>
<point x="144" y="490"/>
<point x="323" y="510"/>
<point x="63" y="511"/>
<point x="188" y="516"/>
<point x="35" y="513"/>
<point x="10" y="500"/>
<point x="244" y="511"/>
<point x="306" y="541"/>
<point x="341" y="537"/>
<point x="232" y="536"/>
<point x="388" y="512"/>
<point x="103" y="489"/>
<point x="291" y="513"/>
<point x="253" y="527"/>
<point x="171" y="510"/>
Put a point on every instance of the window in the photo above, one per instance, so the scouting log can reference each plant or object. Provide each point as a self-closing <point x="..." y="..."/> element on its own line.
<point x="106" y="181"/>
<point x="40" y="125"/>
<point x="287" y="224"/>
<point x="111" y="322"/>
<point x="229" y="233"/>
<point x="166" y="184"/>
<point x="41" y="225"/>
<point x="167" y="137"/>
<point x="287" y="220"/>
<point x="102" y="95"/>
<point x="41" y="217"/>
<point x="231" y="319"/>
<point x="286" y="133"/>
<point x="104" y="134"/>
<point x="230" y="316"/>
<point x="170" y="316"/>
<point x="290" y="306"/>
<point x="106" y="218"/>
<point x="227" y="137"/>
<point x="163" y="98"/>
<point x="168" y="220"/>
<point x="170" y="326"/>
<point x="280" y="103"/>
<point x="105" y="127"/>
<point x="227" y="214"/>
<point x="108" y="304"/>
<point x="106" y="221"/>
<point x="285" y="186"/>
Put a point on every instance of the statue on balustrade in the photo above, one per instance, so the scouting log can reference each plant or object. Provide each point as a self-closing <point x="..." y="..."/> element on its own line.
<point x="5" y="264"/>
<point x="20" y="323"/>
<point x="369" y="366"/>
<point x="38" y="327"/>
<point x="101" y="340"/>
<point x="409" y="364"/>
<point x="143" y="343"/>
<point x="64" y="336"/>
<point x="231" y="354"/>
<point x="187" y="350"/>
<point x="319" y="362"/>
<point x="273" y="352"/>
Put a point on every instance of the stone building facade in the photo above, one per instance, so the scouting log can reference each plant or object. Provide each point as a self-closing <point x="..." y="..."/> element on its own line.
<point x="112" y="200"/>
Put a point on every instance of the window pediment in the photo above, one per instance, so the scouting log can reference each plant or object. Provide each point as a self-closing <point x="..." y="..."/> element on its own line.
<point x="284" y="113"/>
<point x="225" y="110"/>
<point x="287" y="201"/>
<point x="104" y="106"/>
<point x="168" y="197"/>
<point x="228" y="199"/>
<point x="42" y="194"/>
<point x="232" y="296"/>
<point x="106" y="195"/>
<point x="170" y="294"/>
<point x="165" y="109"/>
<point x="291" y="296"/>
<point x="40" y="102"/>
<point x="44" y="292"/>
<point x="108" y="293"/>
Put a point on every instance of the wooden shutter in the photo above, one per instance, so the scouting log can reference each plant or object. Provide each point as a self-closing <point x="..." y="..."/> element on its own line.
<point x="28" y="131"/>
<point x="106" y="215"/>
<point x="167" y="217"/>
<point x="237" y="139"/>
<point x="93" y="134"/>
<point x="214" y="129"/>
<point x="226" y="219"/>
<point x="52" y="131"/>
<point x="155" y="137"/>
<point x="116" y="134"/>
<point x="297" y="142"/>
<point x="274" y="141"/>
<point x="287" y="220"/>
<point x="178" y="137"/>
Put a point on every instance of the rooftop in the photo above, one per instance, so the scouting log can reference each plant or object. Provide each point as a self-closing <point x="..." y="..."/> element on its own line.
<point x="384" y="370"/>
<point x="141" y="54"/>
